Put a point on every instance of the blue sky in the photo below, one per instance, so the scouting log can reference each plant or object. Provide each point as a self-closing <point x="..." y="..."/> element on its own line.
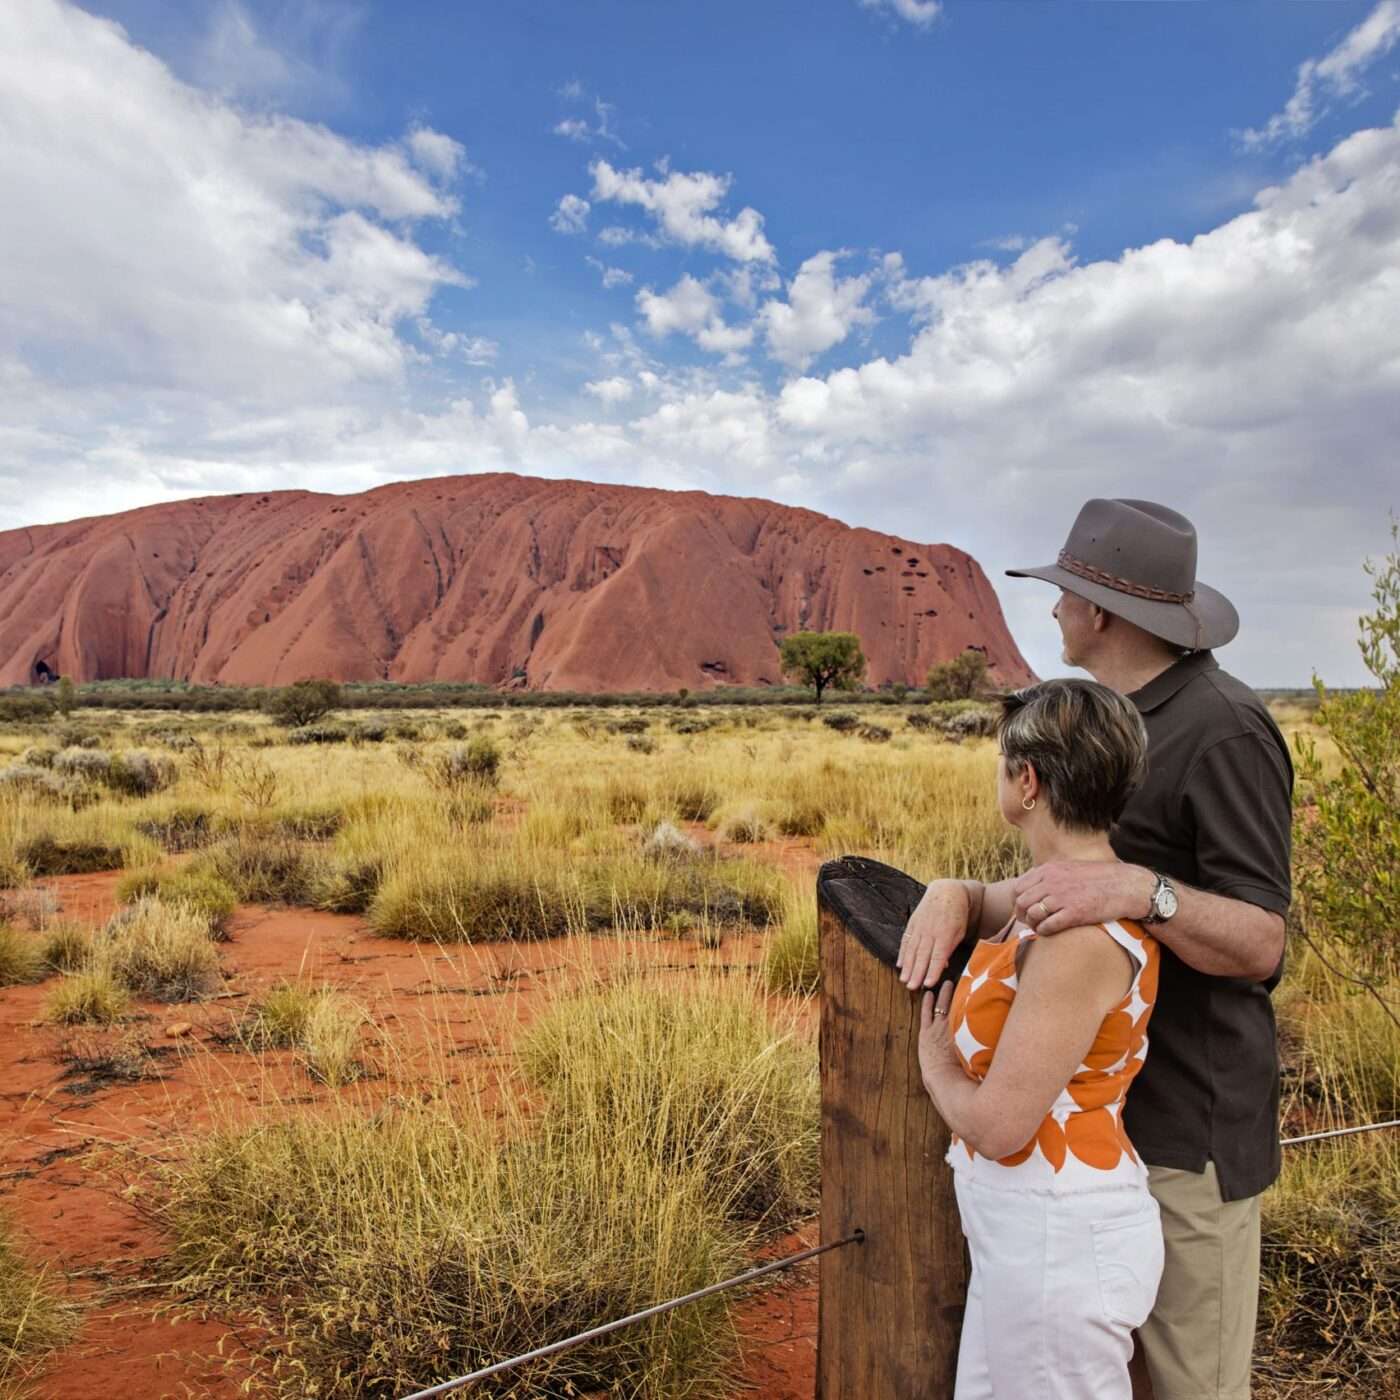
<point x="944" y="270"/>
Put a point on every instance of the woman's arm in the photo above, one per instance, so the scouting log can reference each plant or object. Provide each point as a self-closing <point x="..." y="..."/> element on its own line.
<point x="1065" y="987"/>
<point x="950" y="912"/>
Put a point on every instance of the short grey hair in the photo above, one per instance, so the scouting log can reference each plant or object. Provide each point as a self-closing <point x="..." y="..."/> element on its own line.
<point x="1086" y="742"/>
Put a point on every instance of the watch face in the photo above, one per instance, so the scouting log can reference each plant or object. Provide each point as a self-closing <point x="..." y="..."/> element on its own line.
<point x="1165" y="902"/>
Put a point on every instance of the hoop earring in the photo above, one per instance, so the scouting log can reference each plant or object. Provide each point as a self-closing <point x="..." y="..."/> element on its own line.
<point x="1028" y="803"/>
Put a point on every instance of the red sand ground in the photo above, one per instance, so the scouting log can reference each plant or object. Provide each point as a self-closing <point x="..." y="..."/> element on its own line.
<point x="75" y="1218"/>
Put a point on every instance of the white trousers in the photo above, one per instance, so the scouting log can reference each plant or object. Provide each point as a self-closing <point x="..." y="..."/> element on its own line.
<point x="1058" y="1284"/>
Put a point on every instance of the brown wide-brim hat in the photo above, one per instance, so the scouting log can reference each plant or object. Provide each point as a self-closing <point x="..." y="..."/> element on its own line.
<point x="1137" y="560"/>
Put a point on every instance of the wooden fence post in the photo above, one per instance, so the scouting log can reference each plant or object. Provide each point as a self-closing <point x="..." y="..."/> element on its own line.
<point x="890" y="1309"/>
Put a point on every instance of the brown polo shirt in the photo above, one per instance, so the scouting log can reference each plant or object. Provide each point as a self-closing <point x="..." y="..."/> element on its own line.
<point x="1215" y="812"/>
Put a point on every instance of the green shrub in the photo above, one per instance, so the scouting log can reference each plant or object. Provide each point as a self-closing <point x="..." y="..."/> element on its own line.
<point x="959" y="679"/>
<point x="137" y="773"/>
<point x="303" y="703"/>
<point x="842" y="721"/>
<point x="696" y="801"/>
<point x="320" y="734"/>
<point x="1346" y="833"/>
<point x="19" y="709"/>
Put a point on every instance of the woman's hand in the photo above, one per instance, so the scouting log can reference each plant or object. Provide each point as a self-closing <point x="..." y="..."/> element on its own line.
<point x="937" y="1053"/>
<point x="935" y="928"/>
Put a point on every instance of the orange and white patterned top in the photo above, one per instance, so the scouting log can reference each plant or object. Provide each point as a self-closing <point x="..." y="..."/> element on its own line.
<point x="1081" y="1144"/>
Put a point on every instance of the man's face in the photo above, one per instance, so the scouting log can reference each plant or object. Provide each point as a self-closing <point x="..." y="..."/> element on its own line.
<point x="1076" y="619"/>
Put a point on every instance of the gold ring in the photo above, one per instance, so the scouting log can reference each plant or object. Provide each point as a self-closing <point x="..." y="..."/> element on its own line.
<point x="937" y="1012"/>
<point x="1044" y="911"/>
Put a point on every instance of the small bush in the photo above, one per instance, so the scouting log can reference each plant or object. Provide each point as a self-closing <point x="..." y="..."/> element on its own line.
<point x="874" y="733"/>
<point x="46" y="785"/>
<point x="43" y="855"/>
<point x="667" y="842"/>
<point x="304" y="702"/>
<point x="137" y="773"/>
<point x="477" y="762"/>
<point x="182" y="829"/>
<point x="90" y="997"/>
<point x="630" y="724"/>
<point x="842" y="721"/>
<point x="262" y="869"/>
<point x="959" y="679"/>
<point x="640" y="743"/>
<point x="320" y="734"/>
<point x="20" y="958"/>
<point x="159" y="950"/>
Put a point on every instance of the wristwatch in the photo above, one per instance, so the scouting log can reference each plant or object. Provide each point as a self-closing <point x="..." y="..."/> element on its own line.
<point x="1164" y="901"/>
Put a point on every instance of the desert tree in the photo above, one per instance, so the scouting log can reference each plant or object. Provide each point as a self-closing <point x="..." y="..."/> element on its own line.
<point x="959" y="679"/>
<point x="822" y="659"/>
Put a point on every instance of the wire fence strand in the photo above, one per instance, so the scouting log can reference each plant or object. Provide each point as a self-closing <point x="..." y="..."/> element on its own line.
<point x="787" y="1262"/>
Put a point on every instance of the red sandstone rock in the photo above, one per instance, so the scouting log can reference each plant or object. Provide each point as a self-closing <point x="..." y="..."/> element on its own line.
<point x="479" y="578"/>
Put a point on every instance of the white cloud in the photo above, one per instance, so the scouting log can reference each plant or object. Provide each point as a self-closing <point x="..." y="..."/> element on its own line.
<point x="821" y="311"/>
<point x="172" y="242"/>
<point x="572" y="129"/>
<point x="683" y="206"/>
<point x="577" y="129"/>
<point x="1336" y="74"/>
<point x="687" y="307"/>
<point x="478" y="350"/>
<point x="436" y="153"/>
<point x="611" y="276"/>
<point x="571" y="91"/>
<point x="920" y="13"/>
<point x="610" y="391"/>
<point x="571" y="214"/>
<point x="690" y="308"/>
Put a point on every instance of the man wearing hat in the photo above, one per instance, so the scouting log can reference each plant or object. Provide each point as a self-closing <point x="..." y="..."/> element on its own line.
<point x="1203" y="859"/>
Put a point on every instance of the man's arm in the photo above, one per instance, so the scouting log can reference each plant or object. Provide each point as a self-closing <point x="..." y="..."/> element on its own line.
<point x="950" y="912"/>
<point x="1212" y="933"/>
<point x="1236" y="801"/>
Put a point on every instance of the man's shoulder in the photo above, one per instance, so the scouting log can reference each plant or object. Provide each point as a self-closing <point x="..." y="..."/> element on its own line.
<point x="1221" y="706"/>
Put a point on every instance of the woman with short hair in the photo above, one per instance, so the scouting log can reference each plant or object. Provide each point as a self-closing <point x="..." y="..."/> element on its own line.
<point x="1029" y="1060"/>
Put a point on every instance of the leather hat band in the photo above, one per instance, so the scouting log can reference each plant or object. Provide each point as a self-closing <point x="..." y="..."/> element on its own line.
<point x="1071" y="565"/>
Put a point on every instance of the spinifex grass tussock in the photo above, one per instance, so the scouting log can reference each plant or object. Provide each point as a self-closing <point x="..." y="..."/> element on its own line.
<point x="261" y="868"/>
<point x="692" y="1076"/>
<point x="792" y="955"/>
<point x="66" y="947"/>
<point x="34" y="1317"/>
<point x="90" y="997"/>
<point x="159" y="950"/>
<point x="45" y="855"/>
<point x="506" y="888"/>
<point x="320" y="1022"/>
<point x="195" y="888"/>
<point x="389" y="1249"/>
<point x="21" y="957"/>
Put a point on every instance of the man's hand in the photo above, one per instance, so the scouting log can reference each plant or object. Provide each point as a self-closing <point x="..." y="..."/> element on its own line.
<point x="1071" y="893"/>
<point x="934" y="930"/>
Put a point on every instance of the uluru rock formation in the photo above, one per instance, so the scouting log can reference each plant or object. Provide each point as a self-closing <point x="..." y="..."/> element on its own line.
<point x="559" y="585"/>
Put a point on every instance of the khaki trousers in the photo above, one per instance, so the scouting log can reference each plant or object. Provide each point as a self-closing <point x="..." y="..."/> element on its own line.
<point x="1199" y="1341"/>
